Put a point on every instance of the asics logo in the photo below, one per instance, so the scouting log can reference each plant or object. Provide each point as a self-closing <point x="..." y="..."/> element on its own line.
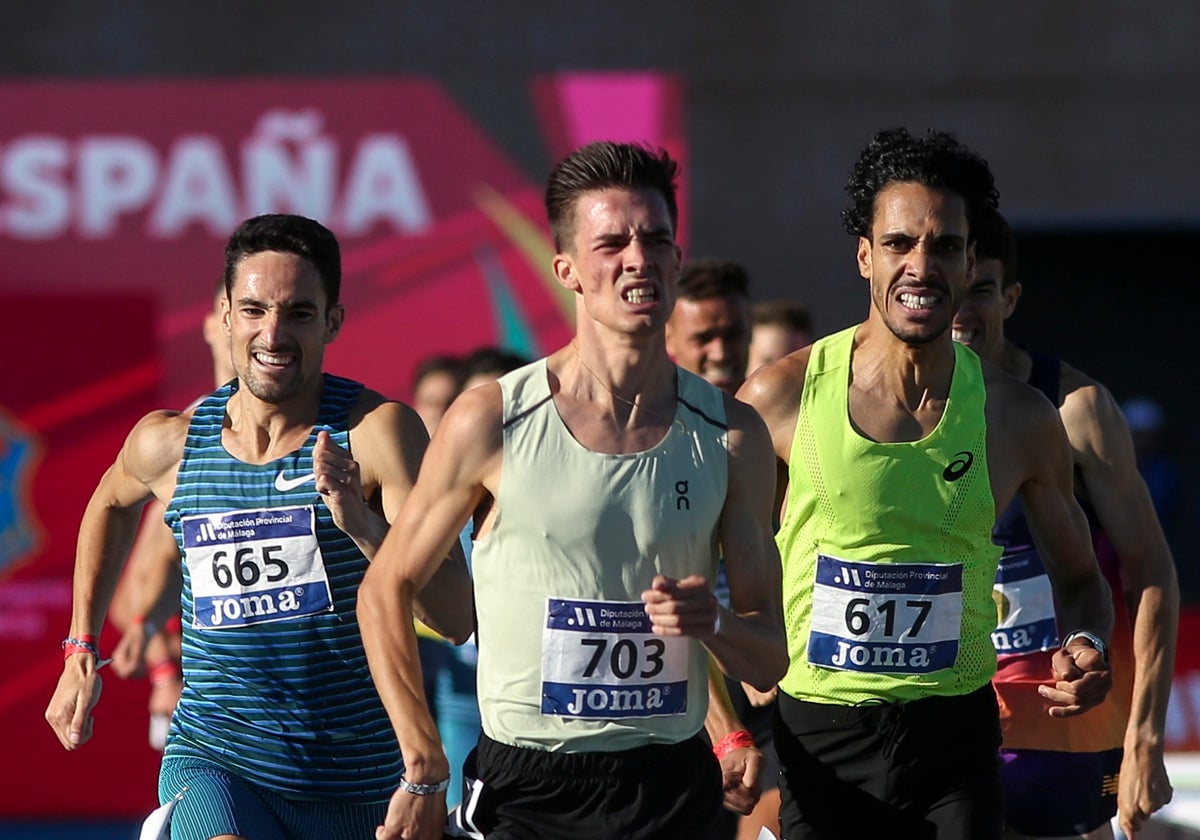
<point x="283" y="485"/>
<point x="957" y="468"/>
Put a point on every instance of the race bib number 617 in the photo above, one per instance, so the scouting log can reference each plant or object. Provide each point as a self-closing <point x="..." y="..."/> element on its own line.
<point x="885" y="618"/>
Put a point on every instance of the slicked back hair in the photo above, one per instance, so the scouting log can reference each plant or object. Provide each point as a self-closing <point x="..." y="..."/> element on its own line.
<point x="288" y="234"/>
<point x="606" y="165"/>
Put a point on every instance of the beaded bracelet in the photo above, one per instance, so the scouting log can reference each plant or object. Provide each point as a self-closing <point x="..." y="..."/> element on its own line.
<point x="80" y="644"/>
<point x="733" y="741"/>
<point x="423" y="790"/>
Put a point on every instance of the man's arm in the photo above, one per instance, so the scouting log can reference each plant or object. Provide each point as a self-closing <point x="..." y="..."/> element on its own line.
<point x="457" y="472"/>
<point x="741" y="763"/>
<point x="1060" y="530"/>
<point x="1108" y="468"/>
<point x="147" y="596"/>
<point x="366" y="491"/>
<point x="747" y="641"/>
<point x="144" y="467"/>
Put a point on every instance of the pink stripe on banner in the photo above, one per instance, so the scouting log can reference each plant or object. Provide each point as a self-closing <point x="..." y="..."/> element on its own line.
<point x="626" y="107"/>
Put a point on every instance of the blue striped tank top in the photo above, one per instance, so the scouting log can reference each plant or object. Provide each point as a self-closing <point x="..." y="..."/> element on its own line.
<point x="276" y="686"/>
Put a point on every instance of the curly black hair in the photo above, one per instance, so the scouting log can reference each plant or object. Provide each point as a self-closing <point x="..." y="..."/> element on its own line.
<point x="935" y="160"/>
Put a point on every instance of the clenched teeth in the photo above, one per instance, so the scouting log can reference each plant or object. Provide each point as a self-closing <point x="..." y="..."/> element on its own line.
<point x="642" y="294"/>
<point x="914" y="301"/>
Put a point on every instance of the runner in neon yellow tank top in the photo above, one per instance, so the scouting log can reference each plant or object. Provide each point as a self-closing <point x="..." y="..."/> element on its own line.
<point x="895" y="451"/>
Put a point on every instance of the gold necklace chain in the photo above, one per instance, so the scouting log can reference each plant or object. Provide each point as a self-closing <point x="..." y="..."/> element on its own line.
<point x="628" y="402"/>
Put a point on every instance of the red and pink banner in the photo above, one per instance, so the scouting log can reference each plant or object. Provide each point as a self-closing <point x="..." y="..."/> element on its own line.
<point x="116" y="199"/>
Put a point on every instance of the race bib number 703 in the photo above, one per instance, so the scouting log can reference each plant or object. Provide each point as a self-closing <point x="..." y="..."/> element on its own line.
<point x="600" y="660"/>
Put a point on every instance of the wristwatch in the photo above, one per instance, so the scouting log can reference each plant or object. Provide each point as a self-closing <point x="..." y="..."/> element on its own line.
<point x="1095" y="641"/>
<point x="423" y="790"/>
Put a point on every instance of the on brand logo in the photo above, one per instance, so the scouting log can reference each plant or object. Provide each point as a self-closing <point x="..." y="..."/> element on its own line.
<point x="681" y="500"/>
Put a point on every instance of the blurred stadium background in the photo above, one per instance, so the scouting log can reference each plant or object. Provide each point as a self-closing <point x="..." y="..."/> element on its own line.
<point x="134" y="137"/>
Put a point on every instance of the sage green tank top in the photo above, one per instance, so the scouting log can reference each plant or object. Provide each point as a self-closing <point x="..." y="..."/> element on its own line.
<point x="888" y="562"/>
<point x="566" y="657"/>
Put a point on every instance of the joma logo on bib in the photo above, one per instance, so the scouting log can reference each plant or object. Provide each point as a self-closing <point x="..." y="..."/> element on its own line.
<point x="617" y="700"/>
<point x="900" y="657"/>
<point x="263" y="605"/>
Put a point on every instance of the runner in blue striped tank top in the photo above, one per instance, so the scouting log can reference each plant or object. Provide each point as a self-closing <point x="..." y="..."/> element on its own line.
<point x="279" y="732"/>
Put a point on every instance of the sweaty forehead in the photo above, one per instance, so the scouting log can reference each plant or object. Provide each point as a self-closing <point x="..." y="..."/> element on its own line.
<point x="276" y="275"/>
<point x="908" y="207"/>
<point x="620" y="209"/>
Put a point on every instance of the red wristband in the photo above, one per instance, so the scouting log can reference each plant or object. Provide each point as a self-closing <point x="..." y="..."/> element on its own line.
<point x="165" y="671"/>
<point x="174" y="625"/>
<point x="733" y="741"/>
<point x="83" y="643"/>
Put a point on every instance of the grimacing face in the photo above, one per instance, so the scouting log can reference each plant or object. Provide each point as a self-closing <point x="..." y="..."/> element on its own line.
<point x="278" y="322"/>
<point x="916" y="260"/>
<point x="623" y="261"/>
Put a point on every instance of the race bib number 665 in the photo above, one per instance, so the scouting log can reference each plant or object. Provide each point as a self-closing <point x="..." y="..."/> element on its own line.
<point x="254" y="566"/>
<point x="600" y="660"/>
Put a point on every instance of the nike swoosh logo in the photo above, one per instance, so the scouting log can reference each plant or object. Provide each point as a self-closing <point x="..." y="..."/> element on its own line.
<point x="285" y="484"/>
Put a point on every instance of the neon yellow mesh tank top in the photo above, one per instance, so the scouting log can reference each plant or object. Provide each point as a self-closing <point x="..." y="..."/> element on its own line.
<point x="888" y="562"/>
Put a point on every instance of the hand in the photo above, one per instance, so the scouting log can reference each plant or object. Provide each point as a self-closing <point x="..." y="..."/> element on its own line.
<point x="338" y="481"/>
<point x="164" y="695"/>
<point x="741" y="778"/>
<point x="681" y="607"/>
<point x="411" y="817"/>
<point x="760" y="698"/>
<point x="1143" y="789"/>
<point x="70" y="711"/>
<point x="1082" y="680"/>
<point x="129" y="656"/>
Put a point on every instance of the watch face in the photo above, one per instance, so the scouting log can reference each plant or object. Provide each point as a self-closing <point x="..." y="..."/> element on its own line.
<point x="1094" y="640"/>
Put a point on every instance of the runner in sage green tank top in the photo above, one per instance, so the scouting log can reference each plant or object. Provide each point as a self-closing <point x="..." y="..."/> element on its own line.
<point x="603" y="481"/>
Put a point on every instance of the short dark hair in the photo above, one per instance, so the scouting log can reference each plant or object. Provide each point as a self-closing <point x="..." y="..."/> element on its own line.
<point x="936" y="160"/>
<point x="288" y="234"/>
<point x="708" y="278"/>
<point x="438" y="364"/>
<point x="781" y="312"/>
<point x="995" y="241"/>
<point x="489" y="360"/>
<point x="604" y="165"/>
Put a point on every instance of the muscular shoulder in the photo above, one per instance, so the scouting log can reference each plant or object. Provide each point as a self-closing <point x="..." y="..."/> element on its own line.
<point x="375" y="414"/>
<point x="385" y="434"/>
<point x="1015" y="409"/>
<point x="746" y="426"/>
<point x="1090" y="414"/>
<point x="774" y="392"/>
<point x="777" y="385"/>
<point x="154" y="446"/>
<point x="475" y="415"/>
